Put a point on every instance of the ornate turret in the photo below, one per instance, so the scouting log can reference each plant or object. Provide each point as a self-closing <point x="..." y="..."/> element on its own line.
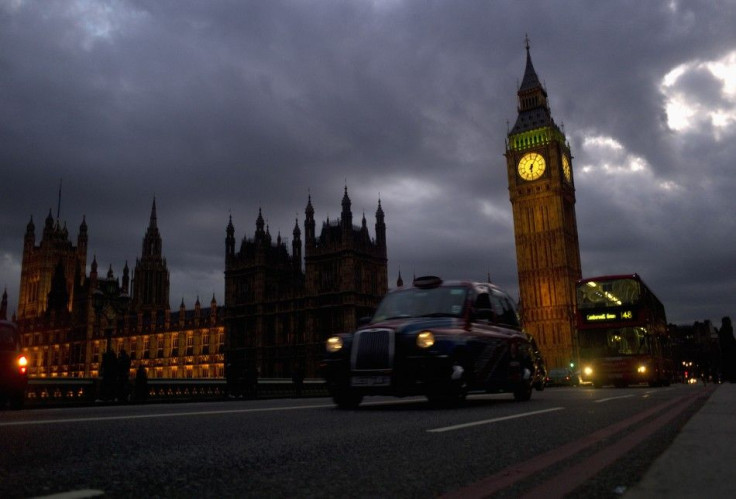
<point x="346" y="216"/>
<point x="151" y="275"/>
<point x="230" y="239"/>
<point x="4" y="306"/>
<point x="126" y="279"/>
<point x="296" y="245"/>
<point x="380" y="227"/>
<point x="309" y="231"/>
<point x="533" y="104"/>
<point x="30" y="238"/>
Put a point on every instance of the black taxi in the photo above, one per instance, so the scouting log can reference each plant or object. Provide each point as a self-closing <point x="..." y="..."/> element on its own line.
<point x="441" y="339"/>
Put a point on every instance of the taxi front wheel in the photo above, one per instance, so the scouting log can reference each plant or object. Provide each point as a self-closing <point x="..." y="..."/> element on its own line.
<point x="347" y="398"/>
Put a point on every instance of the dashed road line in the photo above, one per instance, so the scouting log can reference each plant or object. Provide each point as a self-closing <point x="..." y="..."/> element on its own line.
<point x="494" y="420"/>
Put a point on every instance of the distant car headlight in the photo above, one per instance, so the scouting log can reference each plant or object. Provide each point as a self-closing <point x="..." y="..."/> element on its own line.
<point x="588" y="371"/>
<point x="425" y="339"/>
<point x="641" y="369"/>
<point x="334" y="344"/>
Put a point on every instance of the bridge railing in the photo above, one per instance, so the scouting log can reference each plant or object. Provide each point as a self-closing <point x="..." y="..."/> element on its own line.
<point x="48" y="392"/>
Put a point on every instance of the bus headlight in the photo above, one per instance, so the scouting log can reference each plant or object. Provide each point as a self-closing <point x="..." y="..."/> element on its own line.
<point x="588" y="371"/>
<point x="641" y="369"/>
<point x="425" y="339"/>
<point x="334" y="344"/>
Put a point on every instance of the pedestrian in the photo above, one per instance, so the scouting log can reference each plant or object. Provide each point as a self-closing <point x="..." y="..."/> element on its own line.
<point x="141" y="384"/>
<point x="123" y="389"/>
<point x="297" y="377"/>
<point x="109" y="373"/>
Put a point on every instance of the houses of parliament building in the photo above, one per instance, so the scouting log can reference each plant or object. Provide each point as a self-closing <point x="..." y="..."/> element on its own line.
<point x="280" y="306"/>
<point x="278" y="309"/>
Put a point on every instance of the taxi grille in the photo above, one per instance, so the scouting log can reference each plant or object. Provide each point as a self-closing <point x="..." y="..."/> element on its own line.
<point x="373" y="349"/>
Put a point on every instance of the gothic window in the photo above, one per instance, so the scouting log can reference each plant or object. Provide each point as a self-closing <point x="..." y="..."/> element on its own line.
<point x="160" y="346"/>
<point x="205" y="342"/>
<point x="190" y="343"/>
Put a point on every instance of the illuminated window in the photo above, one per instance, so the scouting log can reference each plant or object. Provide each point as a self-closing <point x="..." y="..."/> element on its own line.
<point x="160" y="346"/>
<point x="205" y="342"/>
<point x="175" y="345"/>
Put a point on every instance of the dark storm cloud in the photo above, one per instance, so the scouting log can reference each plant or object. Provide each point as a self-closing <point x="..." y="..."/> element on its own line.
<point x="218" y="109"/>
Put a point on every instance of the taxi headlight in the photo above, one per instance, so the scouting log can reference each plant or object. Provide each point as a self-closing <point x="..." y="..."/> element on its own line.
<point x="588" y="371"/>
<point x="334" y="344"/>
<point x="641" y="369"/>
<point x="425" y="339"/>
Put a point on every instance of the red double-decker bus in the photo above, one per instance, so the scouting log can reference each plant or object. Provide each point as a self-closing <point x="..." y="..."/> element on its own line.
<point x="622" y="332"/>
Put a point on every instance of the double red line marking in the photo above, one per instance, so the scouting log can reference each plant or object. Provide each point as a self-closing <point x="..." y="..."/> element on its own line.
<point x="576" y="475"/>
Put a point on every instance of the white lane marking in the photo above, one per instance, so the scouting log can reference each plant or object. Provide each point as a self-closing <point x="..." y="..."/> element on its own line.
<point x="494" y="420"/>
<point x="161" y="415"/>
<point x="75" y="494"/>
<point x="612" y="398"/>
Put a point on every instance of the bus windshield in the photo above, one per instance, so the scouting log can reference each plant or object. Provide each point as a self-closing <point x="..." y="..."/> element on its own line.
<point x="614" y="342"/>
<point x="609" y="293"/>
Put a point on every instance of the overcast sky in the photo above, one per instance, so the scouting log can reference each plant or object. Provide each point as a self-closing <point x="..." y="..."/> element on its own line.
<point x="220" y="108"/>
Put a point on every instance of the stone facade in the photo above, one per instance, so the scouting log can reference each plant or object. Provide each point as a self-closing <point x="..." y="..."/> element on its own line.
<point x="278" y="313"/>
<point x="68" y="319"/>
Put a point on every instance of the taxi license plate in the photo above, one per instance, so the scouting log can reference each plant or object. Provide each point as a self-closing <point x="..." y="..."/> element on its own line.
<point x="371" y="381"/>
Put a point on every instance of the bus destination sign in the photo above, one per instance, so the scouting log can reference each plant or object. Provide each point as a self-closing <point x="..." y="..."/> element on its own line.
<point x="626" y="314"/>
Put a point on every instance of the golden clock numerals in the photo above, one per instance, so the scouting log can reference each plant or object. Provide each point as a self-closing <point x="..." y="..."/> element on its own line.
<point x="531" y="166"/>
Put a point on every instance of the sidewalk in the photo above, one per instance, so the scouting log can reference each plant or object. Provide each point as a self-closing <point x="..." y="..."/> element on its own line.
<point x="702" y="459"/>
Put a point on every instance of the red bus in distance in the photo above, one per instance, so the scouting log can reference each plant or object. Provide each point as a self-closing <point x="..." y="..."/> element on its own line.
<point x="622" y="332"/>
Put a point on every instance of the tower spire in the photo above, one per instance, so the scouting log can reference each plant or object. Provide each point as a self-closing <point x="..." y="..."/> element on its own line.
<point x="153" y="222"/>
<point x="58" y="204"/>
<point x="530" y="79"/>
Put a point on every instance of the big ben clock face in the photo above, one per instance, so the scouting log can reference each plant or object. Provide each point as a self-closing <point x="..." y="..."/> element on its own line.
<point x="531" y="166"/>
<point x="566" y="169"/>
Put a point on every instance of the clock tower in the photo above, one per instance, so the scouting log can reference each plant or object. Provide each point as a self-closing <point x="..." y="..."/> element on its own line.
<point x="542" y="193"/>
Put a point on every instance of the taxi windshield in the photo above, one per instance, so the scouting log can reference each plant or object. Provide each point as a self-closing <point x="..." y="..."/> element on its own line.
<point x="446" y="301"/>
